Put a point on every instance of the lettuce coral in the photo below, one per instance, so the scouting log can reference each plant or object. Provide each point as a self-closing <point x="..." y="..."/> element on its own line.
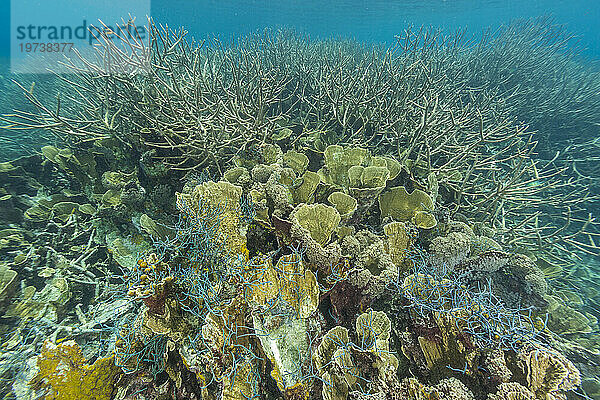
<point x="403" y="206"/>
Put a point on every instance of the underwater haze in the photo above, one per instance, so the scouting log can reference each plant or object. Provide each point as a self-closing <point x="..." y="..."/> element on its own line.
<point x="374" y="21"/>
<point x="226" y="200"/>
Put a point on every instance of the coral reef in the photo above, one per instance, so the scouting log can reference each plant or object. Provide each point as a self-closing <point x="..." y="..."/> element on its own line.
<point x="396" y="240"/>
<point x="64" y="374"/>
<point x="203" y="311"/>
<point x="549" y="374"/>
<point x="469" y="160"/>
<point x="363" y="367"/>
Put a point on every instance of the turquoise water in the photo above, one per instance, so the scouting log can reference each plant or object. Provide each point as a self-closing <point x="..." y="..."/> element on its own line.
<point x="374" y="21"/>
<point x="370" y="21"/>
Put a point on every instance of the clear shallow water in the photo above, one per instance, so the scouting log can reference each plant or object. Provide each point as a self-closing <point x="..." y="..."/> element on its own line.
<point x="374" y="21"/>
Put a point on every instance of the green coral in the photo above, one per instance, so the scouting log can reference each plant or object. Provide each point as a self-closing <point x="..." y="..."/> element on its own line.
<point x="403" y="206"/>
<point x="343" y="365"/>
<point x="398" y="241"/>
<point x="374" y="177"/>
<point x="8" y="283"/>
<point x="345" y="204"/>
<point x="424" y="220"/>
<point x="338" y="160"/>
<point x="288" y="294"/>
<point x="296" y="161"/>
<point x="271" y="154"/>
<point x="81" y="165"/>
<point x="304" y="191"/>
<point x="566" y="320"/>
<point x="319" y="220"/>
<point x="217" y="195"/>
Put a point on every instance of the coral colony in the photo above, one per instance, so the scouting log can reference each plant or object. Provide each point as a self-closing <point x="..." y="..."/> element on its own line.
<point x="283" y="218"/>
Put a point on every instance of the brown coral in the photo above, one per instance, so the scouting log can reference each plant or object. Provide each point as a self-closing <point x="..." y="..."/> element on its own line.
<point x="549" y="373"/>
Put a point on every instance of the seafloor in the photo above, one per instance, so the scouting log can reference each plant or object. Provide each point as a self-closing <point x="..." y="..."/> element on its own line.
<point x="287" y="218"/>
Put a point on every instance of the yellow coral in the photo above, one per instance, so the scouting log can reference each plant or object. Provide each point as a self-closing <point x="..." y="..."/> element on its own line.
<point x="304" y="191"/>
<point x="338" y="161"/>
<point x="373" y="329"/>
<point x="345" y="204"/>
<point x="319" y="220"/>
<point x="374" y="177"/>
<point x="65" y="375"/>
<point x="288" y="294"/>
<point x="289" y="282"/>
<point x="398" y="241"/>
<point x="218" y="195"/>
<point x="296" y="161"/>
<point x="512" y="391"/>
<point x="336" y="358"/>
<point x="296" y="392"/>
<point x="403" y="206"/>
<point x="450" y="388"/>
<point x="241" y="385"/>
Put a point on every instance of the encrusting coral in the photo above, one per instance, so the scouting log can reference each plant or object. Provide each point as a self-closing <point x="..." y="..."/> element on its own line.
<point x="64" y="374"/>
